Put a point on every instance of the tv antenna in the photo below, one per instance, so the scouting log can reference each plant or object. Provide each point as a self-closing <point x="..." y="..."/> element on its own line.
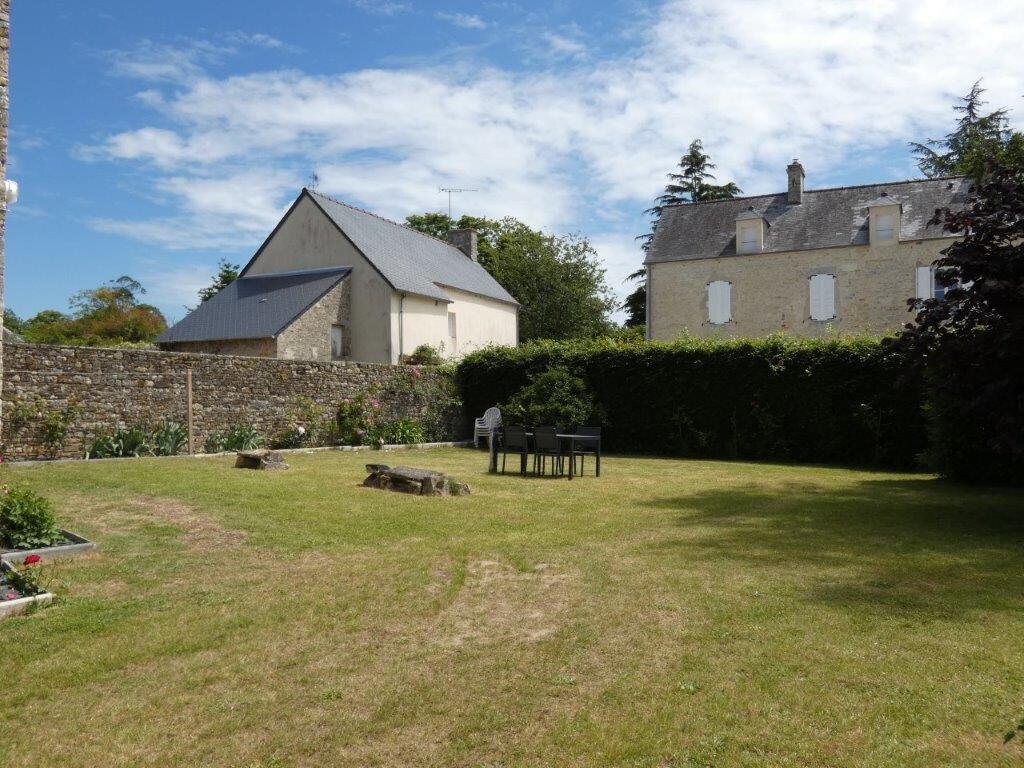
<point x="452" y="191"/>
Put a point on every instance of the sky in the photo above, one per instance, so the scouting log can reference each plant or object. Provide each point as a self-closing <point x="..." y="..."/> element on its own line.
<point x="153" y="139"/>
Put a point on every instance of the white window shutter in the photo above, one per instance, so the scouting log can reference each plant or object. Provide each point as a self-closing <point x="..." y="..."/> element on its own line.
<point x="719" y="302"/>
<point x="823" y="297"/>
<point x="924" y="282"/>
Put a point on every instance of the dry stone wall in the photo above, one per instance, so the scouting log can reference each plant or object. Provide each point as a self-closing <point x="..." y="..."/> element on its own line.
<point x="111" y="386"/>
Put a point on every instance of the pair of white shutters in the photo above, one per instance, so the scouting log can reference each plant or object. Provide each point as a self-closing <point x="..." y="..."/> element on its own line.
<point x="823" y="297"/>
<point x="925" y="282"/>
<point x="719" y="302"/>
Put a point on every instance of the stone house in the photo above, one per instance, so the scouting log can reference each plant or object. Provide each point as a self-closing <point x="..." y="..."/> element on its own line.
<point x="800" y="261"/>
<point x="334" y="282"/>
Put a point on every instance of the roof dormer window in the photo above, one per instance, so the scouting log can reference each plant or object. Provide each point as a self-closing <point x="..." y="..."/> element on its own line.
<point x="884" y="219"/>
<point x="885" y="226"/>
<point x="749" y="232"/>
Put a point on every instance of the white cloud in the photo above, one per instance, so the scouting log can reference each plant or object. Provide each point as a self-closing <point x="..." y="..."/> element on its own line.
<point x="186" y="60"/>
<point x="564" y="45"/>
<point x="215" y="212"/>
<point x="382" y="7"/>
<point x="566" y="148"/>
<point x="175" y="287"/>
<point x="464" y="20"/>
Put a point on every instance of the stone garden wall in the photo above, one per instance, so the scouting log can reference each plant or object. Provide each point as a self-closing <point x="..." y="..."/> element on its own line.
<point x="110" y="386"/>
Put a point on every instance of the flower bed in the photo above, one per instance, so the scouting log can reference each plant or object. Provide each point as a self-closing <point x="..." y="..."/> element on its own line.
<point x="28" y="528"/>
<point x="71" y="545"/>
<point x="21" y="587"/>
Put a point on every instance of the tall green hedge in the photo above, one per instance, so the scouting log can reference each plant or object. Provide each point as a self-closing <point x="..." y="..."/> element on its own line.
<point x="835" y="400"/>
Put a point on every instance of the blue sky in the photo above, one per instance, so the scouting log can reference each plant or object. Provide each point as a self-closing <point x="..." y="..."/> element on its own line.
<point x="153" y="138"/>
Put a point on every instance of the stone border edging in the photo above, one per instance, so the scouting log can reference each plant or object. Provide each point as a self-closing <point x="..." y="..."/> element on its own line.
<point x="318" y="449"/>
<point x="22" y="604"/>
<point x="78" y="546"/>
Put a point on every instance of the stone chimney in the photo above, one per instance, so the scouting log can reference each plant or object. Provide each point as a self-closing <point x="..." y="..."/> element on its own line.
<point x="795" y="171"/>
<point x="464" y="240"/>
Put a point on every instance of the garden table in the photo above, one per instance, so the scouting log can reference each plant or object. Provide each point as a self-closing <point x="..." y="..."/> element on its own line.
<point x="567" y="436"/>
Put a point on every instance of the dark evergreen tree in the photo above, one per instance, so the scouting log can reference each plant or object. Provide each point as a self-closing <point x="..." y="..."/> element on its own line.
<point x="978" y="144"/>
<point x="227" y="273"/>
<point x="692" y="184"/>
<point x="969" y="342"/>
<point x="636" y="303"/>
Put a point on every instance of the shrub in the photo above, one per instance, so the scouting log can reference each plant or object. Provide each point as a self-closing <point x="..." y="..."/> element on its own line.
<point x="26" y="519"/>
<point x="168" y="439"/>
<point x="56" y="425"/>
<point x="425" y="354"/>
<point x="436" y="397"/>
<point x="23" y="580"/>
<point x="241" y="437"/>
<point x="968" y="343"/>
<point x="354" y="418"/>
<point x="825" y="400"/>
<point x="398" y="432"/>
<point x="553" y="397"/>
<point x="123" y="442"/>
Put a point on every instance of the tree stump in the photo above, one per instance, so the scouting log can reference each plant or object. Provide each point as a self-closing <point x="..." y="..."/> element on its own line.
<point x="420" y="482"/>
<point x="260" y="460"/>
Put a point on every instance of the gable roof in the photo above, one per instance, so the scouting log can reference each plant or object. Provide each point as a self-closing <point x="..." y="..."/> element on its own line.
<point x="827" y="218"/>
<point x="409" y="260"/>
<point x="257" y="307"/>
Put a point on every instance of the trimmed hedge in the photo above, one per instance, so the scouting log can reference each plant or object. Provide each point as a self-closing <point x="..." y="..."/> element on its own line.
<point x="838" y="400"/>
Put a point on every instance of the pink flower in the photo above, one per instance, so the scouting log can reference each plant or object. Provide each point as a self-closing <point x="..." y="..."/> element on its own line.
<point x="416" y="371"/>
<point x="11" y="595"/>
<point x="32" y="559"/>
<point x="375" y="403"/>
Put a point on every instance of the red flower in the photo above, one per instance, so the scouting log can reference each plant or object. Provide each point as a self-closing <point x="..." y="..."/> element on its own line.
<point x="32" y="559"/>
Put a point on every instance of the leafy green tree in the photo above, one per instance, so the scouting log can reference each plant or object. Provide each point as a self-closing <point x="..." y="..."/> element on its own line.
<point x="978" y="144"/>
<point x="558" y="281"/>
<point x="227" y="273"/>
<point x="691" y="184"/>
<point x="12" y="322"/>
<point x="48" y="327"/>
<point x="108" y="315"/>
<point x="434" y="223"/>
<point x="969" y="342"/>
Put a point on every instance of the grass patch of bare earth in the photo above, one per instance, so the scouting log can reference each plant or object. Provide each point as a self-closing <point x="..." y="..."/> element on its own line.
<point x="670" y="613"/>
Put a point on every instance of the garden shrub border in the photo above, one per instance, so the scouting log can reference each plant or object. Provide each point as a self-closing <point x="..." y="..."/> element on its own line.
<point x="838" y="400"/>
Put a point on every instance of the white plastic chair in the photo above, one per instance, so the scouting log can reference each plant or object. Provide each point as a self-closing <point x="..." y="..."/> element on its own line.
<point x="486" y="424"/>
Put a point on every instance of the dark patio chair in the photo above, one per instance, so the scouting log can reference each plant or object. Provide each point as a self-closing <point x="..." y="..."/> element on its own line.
<point x="516" y="442"/>
<point x="588" y="446"/>
<point x="547" y="445"/>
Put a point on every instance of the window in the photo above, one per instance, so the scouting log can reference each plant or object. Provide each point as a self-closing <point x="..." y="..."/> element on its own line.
<point x="337" y="342"/>
<point x="823" y="297"/>
<point x="453" y="336"/>
<point x="748" y="239"/>
<point x="885" y="226"/>
<point x="927" y="286"/>
<point x="719" y="302"/>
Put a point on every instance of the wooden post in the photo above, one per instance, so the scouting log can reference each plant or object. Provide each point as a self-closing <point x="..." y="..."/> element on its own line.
<point x="188" y="390"/>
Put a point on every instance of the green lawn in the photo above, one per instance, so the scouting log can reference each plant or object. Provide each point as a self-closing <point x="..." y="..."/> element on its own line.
<point x="670" y="613"/>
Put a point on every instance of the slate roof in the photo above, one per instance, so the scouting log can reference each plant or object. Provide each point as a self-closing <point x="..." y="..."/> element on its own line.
<point x="257" y="307"/>
<point x="410" y="260"/>
<point x="826" y="218"/>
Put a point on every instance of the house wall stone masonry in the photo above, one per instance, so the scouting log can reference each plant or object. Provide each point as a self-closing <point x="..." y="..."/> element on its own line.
<point x="770" y="291"/>
<point x="307" y="338"/>
<point x="111" y="386"/>
<point x="5" y="50"/>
